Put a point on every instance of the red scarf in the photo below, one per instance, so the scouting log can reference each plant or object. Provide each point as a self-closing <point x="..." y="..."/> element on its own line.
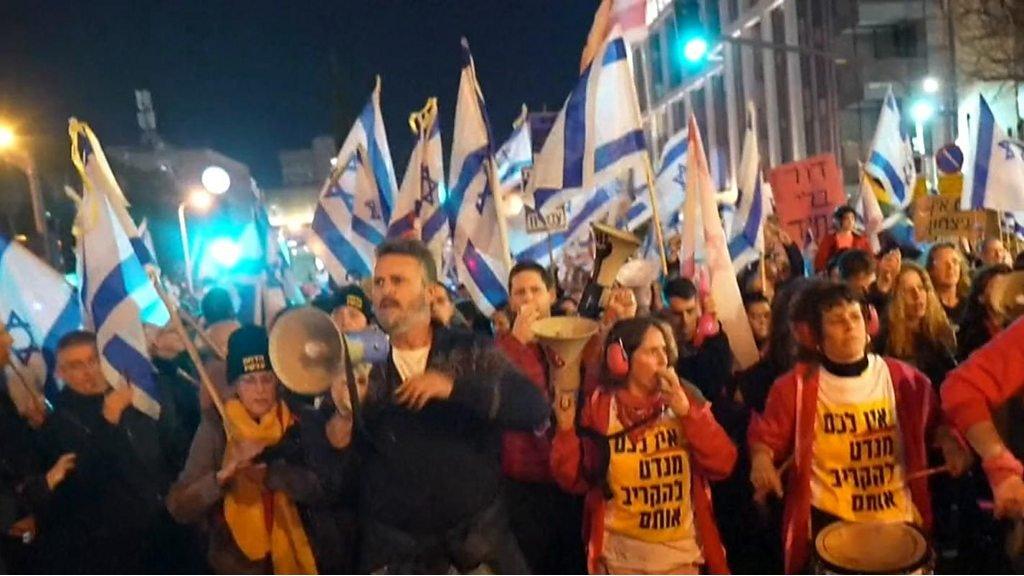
<point x="633" y="411"/>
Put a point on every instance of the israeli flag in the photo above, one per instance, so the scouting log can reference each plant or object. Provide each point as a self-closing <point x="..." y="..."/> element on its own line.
<point x="343" y="238"/>
<point x="891" y="160"/>
<point x="420" y="199"/>
<point x="598" y="135"/>
<point x="481" y="253"/>
<point x="752" y="206"/>
<point x="581" y="211"/>
<point x="669" y="183"/>
<point x="515" y="158"/>
<point x="994" y="167"/>
<point x="38" y="307"/>
<point x="111" y="274"/>
<point x="98" y="178"/>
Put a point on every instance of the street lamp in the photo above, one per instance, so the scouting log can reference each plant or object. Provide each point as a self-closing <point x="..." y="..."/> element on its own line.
<point x="921" y="111"/>
<point x="24" y="161"/>
<point x="930" y="85"/>
<point x="198" y="200"/>
<point x="216" y="180"/>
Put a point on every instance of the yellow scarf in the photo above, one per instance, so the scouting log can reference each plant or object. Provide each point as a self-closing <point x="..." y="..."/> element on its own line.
<point x="282" y="536"/>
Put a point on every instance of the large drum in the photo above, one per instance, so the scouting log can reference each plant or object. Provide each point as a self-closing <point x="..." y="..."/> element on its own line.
<point x="872" y="548"/>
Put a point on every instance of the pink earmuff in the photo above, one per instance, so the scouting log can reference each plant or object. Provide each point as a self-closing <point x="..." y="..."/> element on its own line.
<point x="617" y="360"/>
<point x="871" y="321"/>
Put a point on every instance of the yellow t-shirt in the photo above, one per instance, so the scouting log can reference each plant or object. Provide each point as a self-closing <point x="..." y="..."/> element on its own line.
<point x="858" y="471"/>
<point x="650" y="514"/>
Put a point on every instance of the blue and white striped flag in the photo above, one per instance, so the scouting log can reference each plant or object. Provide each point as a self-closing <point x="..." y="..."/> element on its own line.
<point x="891" y="159"/>
<point x="669" y="182"/>
<point x="994" y="167"/>
<point x="752" y="206"/>
<point x="581" y="212"/>
<point x="515" y="157"/>
<point x="112" y="275"/>
<point x="482" y="255"/>
<point x="598" y="135"/>
<point x="344" y="239"/>
<point x="38" y="307"/>
<point x="420" y="199"/>
<point x="91" y="162"/>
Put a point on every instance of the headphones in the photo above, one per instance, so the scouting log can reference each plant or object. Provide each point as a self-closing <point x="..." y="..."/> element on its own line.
<point x="804" y="334"/>
<point x="616" y="359"/>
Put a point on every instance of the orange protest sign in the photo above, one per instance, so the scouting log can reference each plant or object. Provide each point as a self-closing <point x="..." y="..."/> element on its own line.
<point x="939" y="218"/>
<point x="806" y="193"/>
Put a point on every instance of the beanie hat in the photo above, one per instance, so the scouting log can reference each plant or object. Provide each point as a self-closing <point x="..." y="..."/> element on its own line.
<point x="353" y="296"/>
<point x="248" y="351"/>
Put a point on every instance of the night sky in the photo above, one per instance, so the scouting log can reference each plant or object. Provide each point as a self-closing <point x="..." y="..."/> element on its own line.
<point x="250" y="78"/>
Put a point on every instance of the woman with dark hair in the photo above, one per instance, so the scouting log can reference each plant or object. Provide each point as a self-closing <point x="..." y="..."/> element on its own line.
<point x="643" y="452"/>
<point x="822" y="414"/>
<point x="981" y="321"/>
<point x="843" y="238"/>
<point x="916" y="328"/>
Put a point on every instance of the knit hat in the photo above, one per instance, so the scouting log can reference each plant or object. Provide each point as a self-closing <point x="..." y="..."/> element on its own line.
<point x="353" y="296"/>
<point x="248" y="351"/>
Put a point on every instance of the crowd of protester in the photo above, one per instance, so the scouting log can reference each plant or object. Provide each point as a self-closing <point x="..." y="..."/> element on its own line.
<point x="459" y="454"/>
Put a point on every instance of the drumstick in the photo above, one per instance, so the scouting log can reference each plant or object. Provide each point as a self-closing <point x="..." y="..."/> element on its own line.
<point x="927" y="472"/>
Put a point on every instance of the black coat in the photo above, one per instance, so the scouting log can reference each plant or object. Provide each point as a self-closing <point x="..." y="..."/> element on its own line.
<point x="710" y="367"/>
<point x="102" y="517"/>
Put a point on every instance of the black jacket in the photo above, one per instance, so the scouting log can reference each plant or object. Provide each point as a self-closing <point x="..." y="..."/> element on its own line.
<point x="100" y="519"/>
<point x="426" y="472"/>
<point x="710" y="367"/>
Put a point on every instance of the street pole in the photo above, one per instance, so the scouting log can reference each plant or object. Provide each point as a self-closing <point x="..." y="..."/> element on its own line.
<point x="186" y="251"/>
<point x="24" y="162"/>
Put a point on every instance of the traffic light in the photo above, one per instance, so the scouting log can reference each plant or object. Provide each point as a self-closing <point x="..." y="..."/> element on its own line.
<point x="692" y="42"/>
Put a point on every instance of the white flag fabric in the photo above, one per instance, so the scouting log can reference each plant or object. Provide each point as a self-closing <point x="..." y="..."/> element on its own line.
<point x="38" y="307"/>
<point x="344" y="237"/>
<point x="670" y="183"/>
<point x="419" y="204"/>
<point x="112" y="275"/>
<point x="891" y="159"/>
<point x="597" y="137"/>
<point x="97" y="176"/>
<point x="481" y="249"/>
<point x="994" y="167"/>
<point x="752" y="204"/>
<point x="724" y="288"/>
<point x="870" y="212"/>
<point x="514" y="158"/>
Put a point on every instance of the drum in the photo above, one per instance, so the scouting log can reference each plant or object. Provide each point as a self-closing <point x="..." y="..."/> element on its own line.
<point x="872" y="548"/>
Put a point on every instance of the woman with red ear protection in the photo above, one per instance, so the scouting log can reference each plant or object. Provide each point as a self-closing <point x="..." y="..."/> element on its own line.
<point x="838" y="414"/>
<point x="644" y="449"/>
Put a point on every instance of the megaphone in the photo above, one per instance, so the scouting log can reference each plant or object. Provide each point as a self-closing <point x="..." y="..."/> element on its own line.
<point x="614" y="247"/>
<point x="564" y="338"/>
<point x="308" y="353"/>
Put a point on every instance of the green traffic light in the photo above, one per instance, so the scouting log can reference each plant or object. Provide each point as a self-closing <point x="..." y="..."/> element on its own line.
<point x="695" y="49"/>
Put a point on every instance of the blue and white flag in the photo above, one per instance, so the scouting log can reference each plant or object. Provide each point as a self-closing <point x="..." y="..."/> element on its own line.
<point x="38" y="307"/>
<point x="515" y="157"/>
<point x="112" y="275"/>
<point x="891" y="159"/>
<point x="597" y="137"/>
<point x="746" y="243"/>
<point x="89" y="159"/>
<point x="419" y="207"/>
<point x="343" y="239"/>
<point x="581" y="212"/>
<point x="482" y="255"/>
<point x="994" y="167"/>
<point x="670" y="183"/>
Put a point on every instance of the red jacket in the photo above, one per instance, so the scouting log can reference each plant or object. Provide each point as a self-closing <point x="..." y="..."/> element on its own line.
<point x="992" y="375"/>
<point x="787" y="425"/>
<point x="577" y="467"/>
<point x="827" y="249"/>
<point x="525" y="455"/>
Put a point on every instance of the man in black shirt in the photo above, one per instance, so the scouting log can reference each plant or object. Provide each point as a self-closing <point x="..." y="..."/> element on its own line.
<point x="705" y="360"/>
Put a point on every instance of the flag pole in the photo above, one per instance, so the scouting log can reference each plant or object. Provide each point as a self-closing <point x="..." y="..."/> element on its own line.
<point x="655" y="213"/>
<point x="193" y="354"/>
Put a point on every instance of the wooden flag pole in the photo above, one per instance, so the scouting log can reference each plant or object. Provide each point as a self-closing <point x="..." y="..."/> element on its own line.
<point x="193" y="354"/>
<point x="655" y="213"/>
<point x="203" y="335"/>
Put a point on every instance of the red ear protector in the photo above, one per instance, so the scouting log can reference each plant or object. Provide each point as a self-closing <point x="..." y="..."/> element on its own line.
<point x="804" y="335"/>
<point x="617" y="360"/>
